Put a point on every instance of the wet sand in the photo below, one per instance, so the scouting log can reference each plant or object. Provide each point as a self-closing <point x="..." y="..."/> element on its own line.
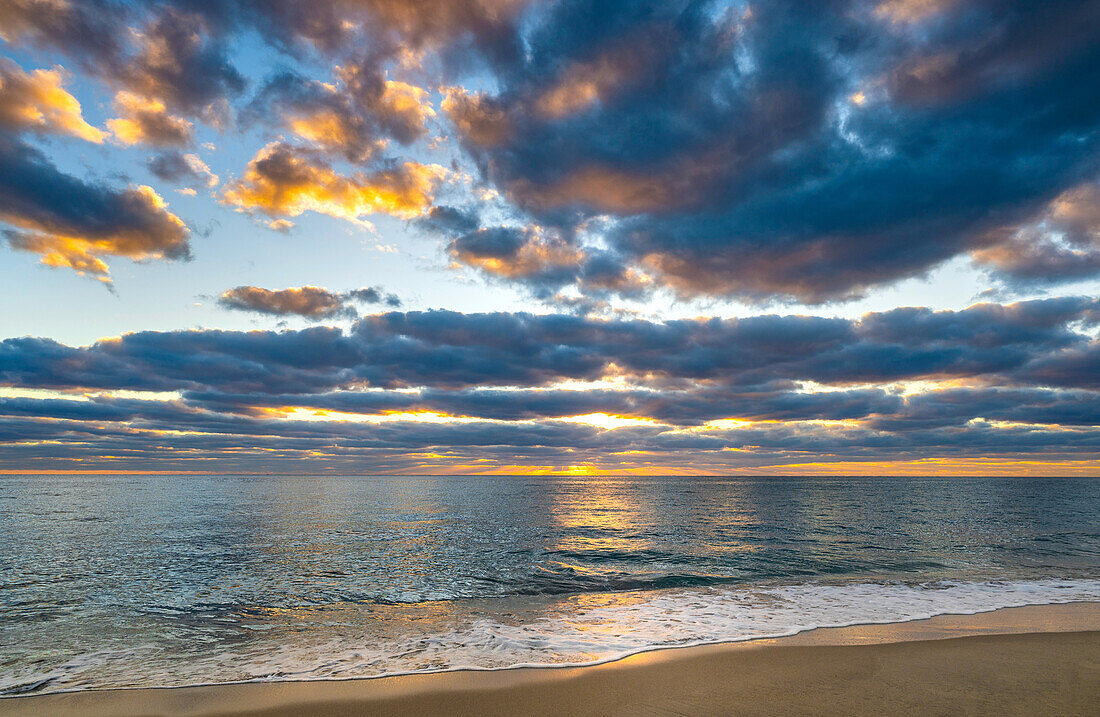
<point x="1032" y="660"/>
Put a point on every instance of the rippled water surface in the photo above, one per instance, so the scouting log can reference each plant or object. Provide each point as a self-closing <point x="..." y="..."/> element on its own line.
<point x="142" y="580"/>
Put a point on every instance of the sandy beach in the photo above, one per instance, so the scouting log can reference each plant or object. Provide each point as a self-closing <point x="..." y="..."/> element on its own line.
<point x="1030" y="660"/>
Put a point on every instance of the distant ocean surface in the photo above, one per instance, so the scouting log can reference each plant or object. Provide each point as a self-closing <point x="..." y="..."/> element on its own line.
<point x="120" y="581"/>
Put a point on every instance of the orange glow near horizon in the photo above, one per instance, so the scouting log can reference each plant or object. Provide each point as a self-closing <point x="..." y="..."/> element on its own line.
<point x="929" y="467"/>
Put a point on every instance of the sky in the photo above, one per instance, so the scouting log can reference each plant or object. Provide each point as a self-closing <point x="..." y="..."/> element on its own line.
<point x="527" y="236"/>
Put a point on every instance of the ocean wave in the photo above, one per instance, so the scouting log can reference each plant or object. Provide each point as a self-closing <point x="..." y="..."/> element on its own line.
<point x="578" y="629"/>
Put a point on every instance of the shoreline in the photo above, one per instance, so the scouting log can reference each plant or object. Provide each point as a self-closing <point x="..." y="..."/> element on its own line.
<point x="939" y="626"/>
<point x="1054" y="639"/>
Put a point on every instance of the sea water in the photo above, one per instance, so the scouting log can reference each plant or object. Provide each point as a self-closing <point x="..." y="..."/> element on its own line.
<point x="126" y="581"/>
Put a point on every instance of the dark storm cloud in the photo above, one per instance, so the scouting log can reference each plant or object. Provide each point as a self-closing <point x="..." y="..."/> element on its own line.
<point x="308" y="301"/>
<point x="802" y="149"/>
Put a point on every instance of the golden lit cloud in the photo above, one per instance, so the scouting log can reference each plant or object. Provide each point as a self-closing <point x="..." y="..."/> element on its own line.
<point x="584" y="84"/>
<point x="356" y="115"/>
<point x="297" y="413"/>
<point x="905" y="11"/>
<point x="993" y="466"/>
<point x="312" y="301"/>
<point x="432" y="22"/>
<point x="329" y="129"/>
<point x="602" y="188"/>
<point x="147" y="121"/>
<point x="37" y="101"/>
<point x="1061" y="239"/>
<point x="285" y="181"/>
<point x="406" y="104"/>
<point x="143" y="230"/>
<point x="609" y="422"/>
<point x="477" y="117"/>
<point x="1078" y="208"/>
<point x="537" y="254"/>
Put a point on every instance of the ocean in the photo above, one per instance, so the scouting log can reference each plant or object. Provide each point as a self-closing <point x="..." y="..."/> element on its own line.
<point x="150" y="580"/>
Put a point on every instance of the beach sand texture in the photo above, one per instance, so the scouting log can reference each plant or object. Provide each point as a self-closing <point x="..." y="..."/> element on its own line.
<point x="997" y="667"/>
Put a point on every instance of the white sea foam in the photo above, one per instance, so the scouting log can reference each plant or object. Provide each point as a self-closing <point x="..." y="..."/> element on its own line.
<point x="609" y="626"/>
<point x="579" y="629"/>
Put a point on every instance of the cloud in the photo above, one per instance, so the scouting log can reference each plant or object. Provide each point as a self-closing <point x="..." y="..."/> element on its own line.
<point x="309" y="301"/>
<point x="542" y="260"/>
<point x="391" y="28"/>
<point x="182" y="66"/>
<point x="583" y="84"/>
<point x="75" y="224"/>
<point x="479" y="120"/>
<point x="90" y="26"/>
<point x="178" y="59"/>
<point x="86" y="28"/>
<point x="730" y="159"/>
<point x="958" y="407"/>
<point x="783" y="150"/>
<point x="989" y="382"/>
<point x="688" y="407"/>
<point x="182" y="168"/>
<point x="909" y="11"/>
<point x="286" y="181"/>
<point x="69" y="222"/>
<point x="1061" y="243"/>
<point x="38" y="102"/>
<point x="401" y="110"/>
<point x="90" y="434"/>
<point x="484" y="25"/>
<point x="518" y="253"/>
<point x="354" y="117"/>
<point x="147" y="121"/>
<point x="373" y="295"/>
<point x="1031" y="343"/>
<point x="449" y="221"/>
<point x="1075" y="366"/>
